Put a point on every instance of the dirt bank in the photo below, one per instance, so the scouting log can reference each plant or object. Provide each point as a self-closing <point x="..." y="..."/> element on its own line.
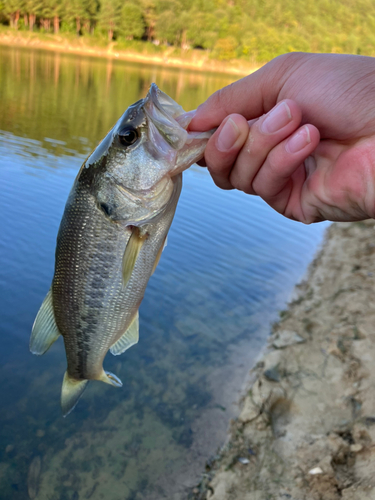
<point x="307" y="426"/>
<point x="194" y="60"/>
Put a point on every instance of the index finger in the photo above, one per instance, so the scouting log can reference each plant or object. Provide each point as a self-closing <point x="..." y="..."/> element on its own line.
<point x="251" y="97"/>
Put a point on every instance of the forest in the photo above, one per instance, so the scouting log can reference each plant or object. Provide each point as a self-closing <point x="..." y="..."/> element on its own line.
<point x="254" y="30"/>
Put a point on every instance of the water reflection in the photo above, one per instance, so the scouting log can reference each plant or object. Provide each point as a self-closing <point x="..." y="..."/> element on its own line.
<point x="64" y="97"/>
<point x="229" y="265"/>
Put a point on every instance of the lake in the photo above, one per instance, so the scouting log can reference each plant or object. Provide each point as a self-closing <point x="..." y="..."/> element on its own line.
<point x="229" y="267"/>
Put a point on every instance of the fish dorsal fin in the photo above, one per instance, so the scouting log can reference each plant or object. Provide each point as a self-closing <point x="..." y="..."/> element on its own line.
<point x="71" y="391"/>
<point x="131" y="253"/>
<point x="129" y="338"/>
<point x="45" y="331"/>
<point x="164" y="244"/>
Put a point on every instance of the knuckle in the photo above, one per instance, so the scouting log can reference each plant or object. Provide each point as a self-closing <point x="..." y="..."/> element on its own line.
<point x="221" y="98"/>
<point x="218" y="97"/>
<point x="285" y="62"/>
<point x="259" y="188"/>
<point x="218" y="165"/>
<point x="248" y="190"/>
<point x="273" y="163"/>
<point x="255" y="144"/>
<point x="222" y="182"/>
<point x="240" y="184"/>
<point x="278" y="164"/>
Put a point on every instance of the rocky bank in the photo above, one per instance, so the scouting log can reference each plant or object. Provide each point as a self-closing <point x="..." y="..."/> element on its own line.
<point x="307" y="426"/>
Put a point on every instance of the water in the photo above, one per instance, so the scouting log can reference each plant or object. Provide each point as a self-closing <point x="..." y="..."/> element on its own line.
<point x="230" y="264"/>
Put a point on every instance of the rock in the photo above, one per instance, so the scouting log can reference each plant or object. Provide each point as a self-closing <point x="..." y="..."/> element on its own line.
<point x="315" y="470"/>
<point x="356" y="448"/>
<point x="9" y="448"/>
<point x="272" y="374"/>
<point x="286" y="338"/>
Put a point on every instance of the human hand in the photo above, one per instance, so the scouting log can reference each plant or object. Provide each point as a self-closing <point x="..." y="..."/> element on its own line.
<point x="312" y="156"/>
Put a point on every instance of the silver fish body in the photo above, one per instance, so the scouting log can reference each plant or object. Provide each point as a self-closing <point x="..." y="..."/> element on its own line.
<point x="111" y="236"/>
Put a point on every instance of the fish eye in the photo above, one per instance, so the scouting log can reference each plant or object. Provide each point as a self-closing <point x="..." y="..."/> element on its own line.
<point x="128" y="136"/>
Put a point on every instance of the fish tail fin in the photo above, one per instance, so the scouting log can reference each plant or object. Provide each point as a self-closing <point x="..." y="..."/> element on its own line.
<point x="71" y="391"/>
<point x="110" y="378"/>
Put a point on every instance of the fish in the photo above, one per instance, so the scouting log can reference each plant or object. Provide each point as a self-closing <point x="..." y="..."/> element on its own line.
<point x="111" y="237"/>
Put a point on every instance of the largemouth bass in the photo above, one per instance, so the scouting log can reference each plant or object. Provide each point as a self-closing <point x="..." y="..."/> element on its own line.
<point x="111" y="237"/>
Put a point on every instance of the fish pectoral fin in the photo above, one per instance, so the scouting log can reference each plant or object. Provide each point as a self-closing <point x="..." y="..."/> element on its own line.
<point x="129" y="338"/>
<point x="131" y="253"/>
<point x="45" y="331"/>
<point x="110" y="378"/>
<point x="71" y="391"/>
<point x="159" y="255"/>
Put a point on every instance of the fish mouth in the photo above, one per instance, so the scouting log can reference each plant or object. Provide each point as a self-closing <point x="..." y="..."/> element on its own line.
<point x="164" y="103"/>
<point x="162" y="111"/>
<point x="167" y="123"/>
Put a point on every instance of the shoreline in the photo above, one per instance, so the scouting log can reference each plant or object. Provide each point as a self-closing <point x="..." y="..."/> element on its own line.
<point x="199" y="63"/>
<point x="306" y="430"/>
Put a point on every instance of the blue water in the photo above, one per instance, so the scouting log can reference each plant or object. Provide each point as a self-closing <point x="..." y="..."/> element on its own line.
<point x="229" y="266"/>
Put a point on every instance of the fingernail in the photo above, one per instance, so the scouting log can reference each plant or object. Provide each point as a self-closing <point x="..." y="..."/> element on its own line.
<point x="299" y="140"/>
<point x="276" y="119"/>
<point x="228" y="136"/>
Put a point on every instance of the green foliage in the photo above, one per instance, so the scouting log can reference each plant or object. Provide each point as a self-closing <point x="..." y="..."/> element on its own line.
<point x="253" y="30"/>
<point x="201" y="31"/>
<point x="168" y="27"/>
<point x="132" y="24"/>
<point x="109" y="16"/>
<point x="225" y="48"/>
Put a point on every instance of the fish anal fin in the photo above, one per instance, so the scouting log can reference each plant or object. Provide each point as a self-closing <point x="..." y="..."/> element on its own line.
<point x="110" y="378"/>
<point x="129" y="338"/>
<point x="45" y="331"/>
<point x="131" y="253"/>
<point x="71" y="391"/>
<point x="164" y="244"/>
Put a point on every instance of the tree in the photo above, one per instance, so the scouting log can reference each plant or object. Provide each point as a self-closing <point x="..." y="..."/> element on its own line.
<point x="74" y="13"/>
<point x="12" y="9"/>
<point x="132" y="24"/>
<point x="202" y="30"/>
<point x="32" y="8"/>
<point x="109" y="16"/>
<point x="49" y="10"/>
<point x="56" y="9"/>
<point x="91" y="9"/>
<point x="168" y="28"/>
<point x="149" y="13"/>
